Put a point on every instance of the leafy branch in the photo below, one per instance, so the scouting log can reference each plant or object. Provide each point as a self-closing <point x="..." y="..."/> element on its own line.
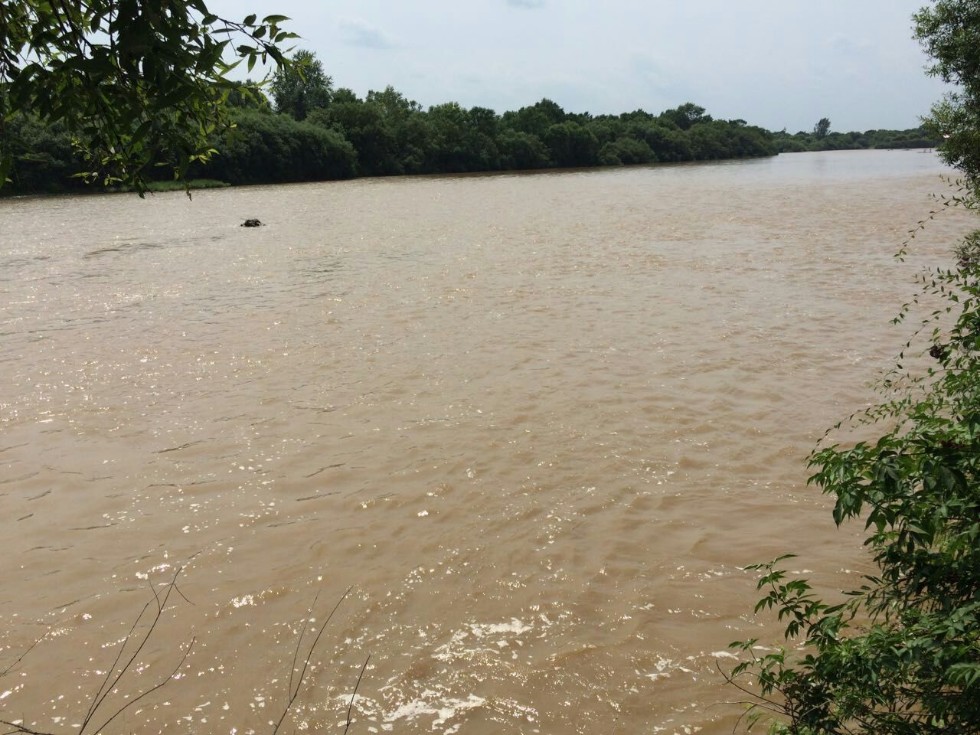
<point x="138" y="85"/>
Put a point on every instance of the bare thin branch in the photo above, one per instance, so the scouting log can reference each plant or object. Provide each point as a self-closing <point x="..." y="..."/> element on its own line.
<point x="22" y="656"/>
<point x="350" y="707"/>
<point x="110" y="682"/>
<point x="18" y="728"/>
<point x="294" y="693"/>
<point x="152" y="689"/>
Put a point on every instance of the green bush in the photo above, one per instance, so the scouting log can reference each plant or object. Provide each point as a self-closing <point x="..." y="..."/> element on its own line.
<point x="267" y="148"/>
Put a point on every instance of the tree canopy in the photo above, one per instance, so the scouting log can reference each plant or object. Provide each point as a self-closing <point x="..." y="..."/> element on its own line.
<point x="121" y="94"/>
<point x="135" y="84"/>
<point x="301" y="87"/>
<point x="950" y="32"/>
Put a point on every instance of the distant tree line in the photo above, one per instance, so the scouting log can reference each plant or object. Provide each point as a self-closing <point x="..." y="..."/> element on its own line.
<point x="310" y="131"/>
<point x="821" y="138"/>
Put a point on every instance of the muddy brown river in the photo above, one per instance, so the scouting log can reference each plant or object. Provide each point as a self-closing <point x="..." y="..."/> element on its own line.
<point x="537" y="424"/>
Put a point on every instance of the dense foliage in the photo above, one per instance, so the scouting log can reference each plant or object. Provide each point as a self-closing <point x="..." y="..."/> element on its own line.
<point x="824" y="139"/>
<point x="901" y="654"/>
<point x="301" y="87"/>
<point x="387" y="134"/>
<point x="274" y="149"/>
<point x="129" y="85"/>
<point x="950" y="32"/>
<point x="250" y="140"/>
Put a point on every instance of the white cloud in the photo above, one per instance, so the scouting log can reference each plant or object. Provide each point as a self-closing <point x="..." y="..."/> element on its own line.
<point x="357" y="32"/>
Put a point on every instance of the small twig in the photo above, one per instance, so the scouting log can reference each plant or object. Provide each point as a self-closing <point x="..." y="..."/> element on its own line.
<point x="182" y="595"/>
<point x="294" y="692"/>
<point x="110" y="682"/>
<point x="350" y="707"/>
<point x="759" y="702"/>
<point x="152" y="689"/>
<point x="104" y="688"/>
<point x="21" y="729"/>
<point x="21" y="657"/>
<point x="299" y="641"/>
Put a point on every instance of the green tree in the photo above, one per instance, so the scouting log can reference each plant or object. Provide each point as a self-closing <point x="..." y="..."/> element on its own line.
<point x="626" y="151"/>
<point x="301" y="87"/>
<point x="264" y="148"/>
<point x="459" y="140"/>
<point x="821" y="129"/>
<point x="535" y="119"/>
<point x="708" y="142"/>
<point x="686" y="116"/>
<point x="249" y="95"/>
<point x="571" y="144"/>
<point x="135" y="84"/>
<point x="344" y="94"/>
<point x="393" y="104"/>
<point x="363" y="123"/>
<point x="900" y="655"/>
<point x="42" y="153"/>
<point x="408" y="130"/>
<point x="520" y="151"/>
<point x="950" y="32"/>
<point x="670" y="144"/>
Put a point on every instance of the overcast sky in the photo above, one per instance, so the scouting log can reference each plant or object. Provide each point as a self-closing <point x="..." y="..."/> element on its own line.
<point x="775" y="63"/>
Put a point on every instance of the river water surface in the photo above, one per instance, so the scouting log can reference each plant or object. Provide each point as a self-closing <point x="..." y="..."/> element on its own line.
<point x="536" y="423"/>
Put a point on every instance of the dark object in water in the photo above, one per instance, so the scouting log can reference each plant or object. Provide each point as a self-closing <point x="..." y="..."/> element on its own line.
<point x="251" y="223"/>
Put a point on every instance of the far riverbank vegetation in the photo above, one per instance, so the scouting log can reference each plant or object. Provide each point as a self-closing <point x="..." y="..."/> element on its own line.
<point x="309" y="131"/>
